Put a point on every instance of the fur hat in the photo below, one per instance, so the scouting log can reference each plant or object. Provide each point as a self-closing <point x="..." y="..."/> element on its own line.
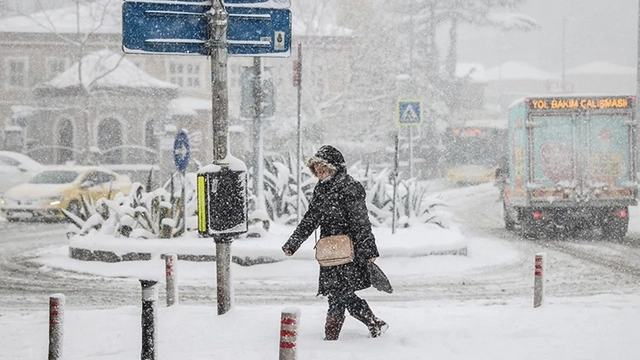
<point x="327" y="156"/>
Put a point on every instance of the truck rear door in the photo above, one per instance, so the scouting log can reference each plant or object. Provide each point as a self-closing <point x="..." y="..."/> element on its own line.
<point x="609" y="172"/>
<point x="553" y="142"/>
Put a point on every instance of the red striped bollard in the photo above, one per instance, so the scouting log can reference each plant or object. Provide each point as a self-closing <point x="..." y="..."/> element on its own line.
<point x="289" y="333"/>
<point x="170" y="262"/>
<point x="538" y="282"/>
<point x="56" y="326"/>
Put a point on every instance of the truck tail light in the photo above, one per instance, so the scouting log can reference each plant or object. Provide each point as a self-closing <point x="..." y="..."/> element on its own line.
<point x="622" y="213"/>
<point x="537" y="215"/>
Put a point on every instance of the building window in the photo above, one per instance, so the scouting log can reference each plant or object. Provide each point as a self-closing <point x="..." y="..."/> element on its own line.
<point x="110" y="141"/>
<point x="64" y="141"/>
<point x="16" y="72"/>
<point x="56" y="66"/>
<point x="185" y="74"/>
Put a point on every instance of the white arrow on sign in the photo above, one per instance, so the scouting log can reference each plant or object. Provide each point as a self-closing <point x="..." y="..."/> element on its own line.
<point x="269" y="4"/>
<point x="182" y="151"/>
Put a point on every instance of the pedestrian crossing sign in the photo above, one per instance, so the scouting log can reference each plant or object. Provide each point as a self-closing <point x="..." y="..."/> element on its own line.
<point x="409" y="112"/>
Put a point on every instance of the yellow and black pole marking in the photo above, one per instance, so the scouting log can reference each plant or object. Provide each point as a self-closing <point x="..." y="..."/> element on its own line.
<point x="202" y="205"/>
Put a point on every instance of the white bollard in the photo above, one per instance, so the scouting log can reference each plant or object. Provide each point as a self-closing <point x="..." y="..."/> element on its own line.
<point x="170" y="265"/>
<point x="538" y="282"/>
<point x="289" y="333"/>
<point x="56" y="326"/>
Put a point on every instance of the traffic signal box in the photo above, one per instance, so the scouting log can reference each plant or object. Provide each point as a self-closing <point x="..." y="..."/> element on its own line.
<point x="222" y="201"/>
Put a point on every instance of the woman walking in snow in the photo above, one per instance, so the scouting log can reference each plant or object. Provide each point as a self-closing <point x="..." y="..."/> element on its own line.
<point x="338" y="206"/>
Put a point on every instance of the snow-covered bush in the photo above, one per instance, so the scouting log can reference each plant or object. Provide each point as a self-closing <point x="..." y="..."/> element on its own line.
<point x="157" y="214"/>
<point x="280" y="189"/>
<point x="413" y="205"/>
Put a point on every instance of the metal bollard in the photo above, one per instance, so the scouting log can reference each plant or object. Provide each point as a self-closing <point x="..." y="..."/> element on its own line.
<point x="289" y="333"/>
<point x="56" y="326"/>
<point x="149" y="317"/>
<point x="538" y="282"/>
<point x="170" y="263"/>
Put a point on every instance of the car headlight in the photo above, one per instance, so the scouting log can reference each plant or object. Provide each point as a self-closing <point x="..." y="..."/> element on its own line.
<point x="2" y="202"/>
<point x="55" y="200"/>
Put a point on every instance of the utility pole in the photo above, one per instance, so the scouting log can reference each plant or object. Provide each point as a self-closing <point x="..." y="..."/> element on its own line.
<point x="218" y="21"/>
<point x="638" y="56"/>
<point x="410" y="72"/>
<point x="564" y="25"/>
<point x="298" y="80"/>
<point x="258" y="156"/>
<point x="638" y="74"/>
<point x="394" y="202"/>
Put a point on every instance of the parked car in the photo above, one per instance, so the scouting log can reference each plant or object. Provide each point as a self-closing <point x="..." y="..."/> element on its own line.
<point x="61" y="187"/>
<point x="142" y="173"/>
<point x="16" y="168"/>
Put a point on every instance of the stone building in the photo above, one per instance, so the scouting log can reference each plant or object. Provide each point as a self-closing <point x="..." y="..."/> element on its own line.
<point x="112" y="109"/>
<point x="36" y="49"/>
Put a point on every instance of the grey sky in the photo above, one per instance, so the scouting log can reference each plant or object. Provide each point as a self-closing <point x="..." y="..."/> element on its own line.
<point x="599" y="30"/>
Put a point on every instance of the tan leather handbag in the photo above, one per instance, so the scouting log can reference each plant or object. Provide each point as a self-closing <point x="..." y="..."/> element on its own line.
<point x="334" y="250"/>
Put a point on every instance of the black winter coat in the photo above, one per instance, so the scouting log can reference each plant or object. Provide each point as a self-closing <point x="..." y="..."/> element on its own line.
<point x="338" y="206"/>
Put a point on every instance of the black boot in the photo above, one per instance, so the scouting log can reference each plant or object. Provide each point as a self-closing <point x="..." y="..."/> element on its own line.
<point x="376" y="326"/>
<point x="332" y="327"/>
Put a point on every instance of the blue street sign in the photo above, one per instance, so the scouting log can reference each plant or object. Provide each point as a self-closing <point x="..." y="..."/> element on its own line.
<point x="272" y="4"/>
<point x="181" y="150"/>
<point x="255" y="31"/>
<point x="409" y="112"/>
<point x="174" y="27"/>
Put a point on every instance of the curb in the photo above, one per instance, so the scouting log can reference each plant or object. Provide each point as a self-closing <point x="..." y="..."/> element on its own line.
<point x="111" y="257"/>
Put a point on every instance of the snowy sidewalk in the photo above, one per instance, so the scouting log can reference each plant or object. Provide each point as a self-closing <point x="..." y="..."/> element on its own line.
<point x="596" y="328"/>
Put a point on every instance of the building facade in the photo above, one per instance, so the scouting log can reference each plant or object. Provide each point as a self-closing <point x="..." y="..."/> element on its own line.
<point x="37" y="49"/>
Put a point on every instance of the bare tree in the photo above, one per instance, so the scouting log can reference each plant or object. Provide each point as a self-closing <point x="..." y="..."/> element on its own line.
<point x="80" y="27"/>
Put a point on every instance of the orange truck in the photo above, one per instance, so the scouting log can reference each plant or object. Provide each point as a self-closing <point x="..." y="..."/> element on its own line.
<point x="571" y="165"/>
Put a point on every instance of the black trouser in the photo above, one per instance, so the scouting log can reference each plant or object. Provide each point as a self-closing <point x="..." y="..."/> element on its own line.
<point x="356" y="305"/>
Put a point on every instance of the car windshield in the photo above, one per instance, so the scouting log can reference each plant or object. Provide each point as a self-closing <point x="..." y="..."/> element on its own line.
<point x="55" y="177"/>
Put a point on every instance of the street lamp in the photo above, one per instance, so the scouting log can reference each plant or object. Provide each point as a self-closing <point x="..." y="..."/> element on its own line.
<point x="564" y="32"/>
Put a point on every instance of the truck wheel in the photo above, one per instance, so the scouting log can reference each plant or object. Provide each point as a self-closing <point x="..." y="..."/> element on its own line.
<point x="615" y="229"/>
<point x="509" y="224"/>
<point x="528" y="229"/>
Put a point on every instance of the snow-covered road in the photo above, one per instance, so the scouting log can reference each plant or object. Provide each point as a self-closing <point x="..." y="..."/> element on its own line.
<point x="584" y="265"/>
<point x="576" y="267"/>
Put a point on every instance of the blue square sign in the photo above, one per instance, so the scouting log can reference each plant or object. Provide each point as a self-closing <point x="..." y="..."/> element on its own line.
<point x="409" y="112"/>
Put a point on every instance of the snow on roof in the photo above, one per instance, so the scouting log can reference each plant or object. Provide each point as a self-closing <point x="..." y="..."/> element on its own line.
<point x="22" y="111"/>
<point x="474" y="71"/>
<point x="515" y="70"/>
<point x="189" y="106"/>
<point x="602" y="68"/>
<point x="106" y="69"/>
<point x="102" y="16"/>
<point x="105" y="17"/>
<point x="512" y="21"/>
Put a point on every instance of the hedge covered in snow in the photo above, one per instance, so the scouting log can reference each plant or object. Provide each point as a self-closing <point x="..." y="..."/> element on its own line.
<point x="160" y="213"/>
